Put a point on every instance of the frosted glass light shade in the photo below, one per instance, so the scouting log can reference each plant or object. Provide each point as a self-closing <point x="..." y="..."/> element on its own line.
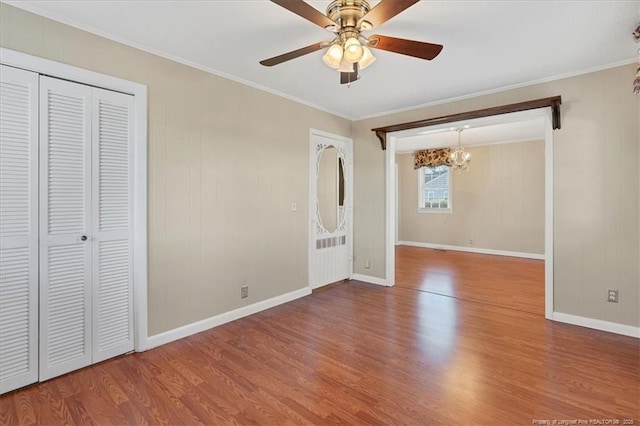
<point x="353" y="50"/>
<point x="333" y="56"/>
<point x="367" y="58"/>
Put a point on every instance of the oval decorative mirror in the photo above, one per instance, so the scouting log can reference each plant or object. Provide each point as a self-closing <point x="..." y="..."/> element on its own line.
<point x="330" y="189"/>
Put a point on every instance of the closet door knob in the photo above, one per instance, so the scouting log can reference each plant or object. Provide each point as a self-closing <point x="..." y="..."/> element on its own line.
<point x="83" y="238"/>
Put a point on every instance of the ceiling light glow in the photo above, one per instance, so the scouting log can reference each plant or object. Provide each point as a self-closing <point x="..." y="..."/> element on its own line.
<point x="353" y="50"/>
<point x="333" y="56"/>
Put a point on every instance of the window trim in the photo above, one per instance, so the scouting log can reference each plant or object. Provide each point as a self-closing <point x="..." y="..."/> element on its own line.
<point x="421" y="198"/>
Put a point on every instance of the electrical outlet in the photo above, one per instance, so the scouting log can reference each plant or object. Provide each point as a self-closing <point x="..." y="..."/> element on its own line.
<point x="612" y="296"/>
<point x="244" y="291"/>
<point x="471" y="241"/>
<point x="367" y="264"/>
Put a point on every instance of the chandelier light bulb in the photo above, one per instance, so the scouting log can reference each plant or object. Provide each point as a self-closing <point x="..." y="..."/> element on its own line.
<point x="353" y="50"/>
<point x="333" y="56"/>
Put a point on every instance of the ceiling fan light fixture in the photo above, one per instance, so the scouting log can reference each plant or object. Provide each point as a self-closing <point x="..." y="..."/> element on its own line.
<point x="367" y="58"/>
<point x="333" y="56"/>
<point x="353" y="50"/>
<point x="349" y="51"/>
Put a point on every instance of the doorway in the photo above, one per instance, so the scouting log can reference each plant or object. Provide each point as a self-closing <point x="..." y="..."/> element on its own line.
<point x="396" y="138"/>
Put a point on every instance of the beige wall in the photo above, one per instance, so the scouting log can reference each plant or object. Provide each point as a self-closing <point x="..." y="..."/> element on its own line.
<point x="596" y="189"/>
<point x="498" y="202"/>
<point x="225" y="162"/>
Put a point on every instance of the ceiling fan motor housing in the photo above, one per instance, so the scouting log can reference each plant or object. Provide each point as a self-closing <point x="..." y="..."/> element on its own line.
<point x="347" y="13"/>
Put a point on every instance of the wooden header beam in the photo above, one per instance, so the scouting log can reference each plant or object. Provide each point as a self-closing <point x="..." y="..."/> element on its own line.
<point x="552" y="102"/>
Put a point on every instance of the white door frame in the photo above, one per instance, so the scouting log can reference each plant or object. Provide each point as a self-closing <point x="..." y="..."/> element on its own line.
<point x="390" y="222"/>
<point x="139" y="91"/>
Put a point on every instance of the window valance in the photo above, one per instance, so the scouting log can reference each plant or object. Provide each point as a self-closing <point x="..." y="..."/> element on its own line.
<point x="432" y="158"/>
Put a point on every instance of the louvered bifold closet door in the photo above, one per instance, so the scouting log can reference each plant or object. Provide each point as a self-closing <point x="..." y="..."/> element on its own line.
<point x="112" y="224"/>
<point x="18" y="228"/>
<point x="65" y="227"/>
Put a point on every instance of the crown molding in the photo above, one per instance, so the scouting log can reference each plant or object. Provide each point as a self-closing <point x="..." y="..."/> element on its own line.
<point x="29" y="7"/>
<point x="501" y="89"/>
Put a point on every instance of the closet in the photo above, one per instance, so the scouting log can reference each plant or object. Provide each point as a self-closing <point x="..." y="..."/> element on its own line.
<point x="66" y="284"/>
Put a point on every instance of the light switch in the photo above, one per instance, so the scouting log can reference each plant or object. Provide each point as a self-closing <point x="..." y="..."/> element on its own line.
<point x="294" y="206"/>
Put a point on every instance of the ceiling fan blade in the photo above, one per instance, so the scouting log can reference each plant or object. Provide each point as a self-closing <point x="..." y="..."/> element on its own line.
<point x="293" y="54"/>
<point x="306" y="11"/>
<point x="349" y="77"/>
<point x="417" y="49"/>
<point x="386" y="10"/>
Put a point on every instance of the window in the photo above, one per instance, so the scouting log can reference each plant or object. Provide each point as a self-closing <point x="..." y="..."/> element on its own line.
<point x="434" y="188"/>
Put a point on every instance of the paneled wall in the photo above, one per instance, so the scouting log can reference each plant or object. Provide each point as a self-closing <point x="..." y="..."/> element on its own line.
<point x="225" y="162"/>
<point x="498" y="203"/>
<point x="596" y="189"/>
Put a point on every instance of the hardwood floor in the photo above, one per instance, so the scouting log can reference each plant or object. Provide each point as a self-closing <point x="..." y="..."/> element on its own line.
<point x="510" y="282"/>
<point x="356" y="354"/>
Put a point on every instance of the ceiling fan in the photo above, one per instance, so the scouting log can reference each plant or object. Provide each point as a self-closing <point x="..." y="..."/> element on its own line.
<point x="349" y="52"/>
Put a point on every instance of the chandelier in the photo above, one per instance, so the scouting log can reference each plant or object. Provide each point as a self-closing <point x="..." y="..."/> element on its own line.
<point x="459" y="157"/>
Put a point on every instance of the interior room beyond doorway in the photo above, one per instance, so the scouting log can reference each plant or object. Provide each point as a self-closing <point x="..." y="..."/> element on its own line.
<point x="476" y="234"/>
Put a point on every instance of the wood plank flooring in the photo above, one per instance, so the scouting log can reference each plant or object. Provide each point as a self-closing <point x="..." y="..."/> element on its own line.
<point x="510" y="282"/>
<point x="355" y="354"/>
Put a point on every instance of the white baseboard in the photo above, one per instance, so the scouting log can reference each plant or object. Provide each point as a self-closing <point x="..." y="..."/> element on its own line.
<point x="370" y="280"/>
<point x="206" y="324"/>
<point x="611" y="327"/>
<point x="474" y="250"/>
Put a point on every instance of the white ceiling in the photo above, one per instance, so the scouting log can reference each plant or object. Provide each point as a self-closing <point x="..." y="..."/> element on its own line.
<point x="490" y="134"/>
<point x="488" y="45"/>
